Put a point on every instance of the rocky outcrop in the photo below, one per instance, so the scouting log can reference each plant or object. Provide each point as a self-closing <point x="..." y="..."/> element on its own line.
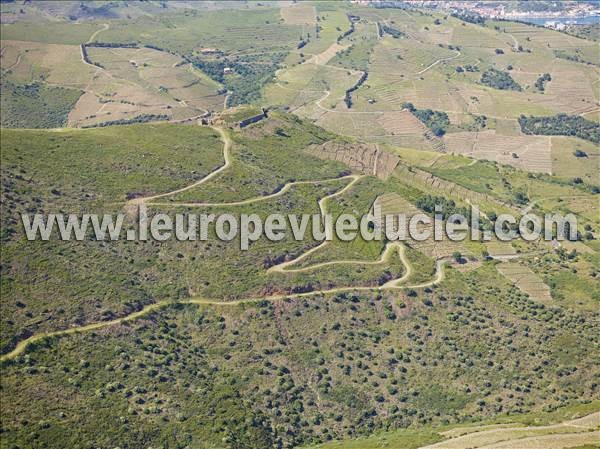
<point x="367" y="159"/>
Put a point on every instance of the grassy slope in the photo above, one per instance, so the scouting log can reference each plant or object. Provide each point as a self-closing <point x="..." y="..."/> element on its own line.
<point x="36" y="106"/>
<point x="375" y="363"/>
<point x="49" y="286"/>
<point x="301" y="378"/>
<point x="54" y="284"/>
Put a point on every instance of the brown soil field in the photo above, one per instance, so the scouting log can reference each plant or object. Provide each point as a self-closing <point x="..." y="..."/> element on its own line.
<point x="530" y="153"/>
<point x="299" y="14"/>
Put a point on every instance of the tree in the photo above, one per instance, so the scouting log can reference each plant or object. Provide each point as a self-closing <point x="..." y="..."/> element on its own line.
<point x="562" y="125"/>
<point x="499" y="80"/>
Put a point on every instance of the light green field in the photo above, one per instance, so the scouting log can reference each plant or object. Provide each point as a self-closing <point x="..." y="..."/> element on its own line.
<point x="566" y="165"/>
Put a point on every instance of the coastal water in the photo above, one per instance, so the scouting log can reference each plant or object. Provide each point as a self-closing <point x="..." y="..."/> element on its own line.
<point x="578" y="20"/>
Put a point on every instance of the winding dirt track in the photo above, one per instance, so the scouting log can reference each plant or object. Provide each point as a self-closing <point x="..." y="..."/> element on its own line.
<point x="226" y="157"/>
<point x="281" y="268"/>
<point x="385" y="255"/>
<point x="105" y="26"/>
<point x="24" y="344"/>
<point x="438" y="61"/>
<point x="280" y="192"/>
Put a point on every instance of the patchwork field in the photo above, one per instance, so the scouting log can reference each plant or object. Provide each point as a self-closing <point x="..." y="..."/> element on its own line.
<point x="126" y="84"/>
<point x="529" y="153"/>
<point x="438" y="66"/>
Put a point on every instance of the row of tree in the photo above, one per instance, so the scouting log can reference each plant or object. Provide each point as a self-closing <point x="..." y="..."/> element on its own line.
<point x="143" y="118"/>
<point x="348" y="97"/>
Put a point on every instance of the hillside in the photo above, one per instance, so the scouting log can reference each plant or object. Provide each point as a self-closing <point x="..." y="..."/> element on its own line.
<point x="383" y="349"/>
<point x="318" y="108"/>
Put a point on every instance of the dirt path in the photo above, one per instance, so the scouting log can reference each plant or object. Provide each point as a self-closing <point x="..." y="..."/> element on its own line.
<point x="392" y="284"/>
<point x="385" y="255"/>
<point x="327" y="55"/>
<point x="519" y="436"/>
<point x="458" y="53"/>
<point x="327" y="93"/>
<point x="516" y="46"/>
<point x="105" y="27"/>
<point x="226" y="156"/>
<point x="532" y="204"/>
<point x="22" y="346"/>
<point x="286" y="188"/>
<point x="14" y="64"/>
<point x="281" y="268"/>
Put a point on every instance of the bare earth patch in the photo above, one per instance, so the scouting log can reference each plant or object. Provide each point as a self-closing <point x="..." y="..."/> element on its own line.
<point x="530" y="153"/>
<point x="299" y="14"/>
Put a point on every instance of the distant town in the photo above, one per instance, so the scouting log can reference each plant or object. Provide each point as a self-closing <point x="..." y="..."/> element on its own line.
<point x="504" y="9"/>
<point x="558" y="15"/>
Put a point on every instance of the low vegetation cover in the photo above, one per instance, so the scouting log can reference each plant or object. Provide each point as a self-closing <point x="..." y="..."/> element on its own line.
<point x="242" y="76"/>
<point x="297" y="343"/>
<point x="36" y="105"/>
<point x="575" y="56"/>
<point x="561" y="125"/>
<point x="585" y="31"/>
<point x="142" y="118"/>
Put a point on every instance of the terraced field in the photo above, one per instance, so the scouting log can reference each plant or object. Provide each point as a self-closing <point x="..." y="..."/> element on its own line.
<point x="529" y="153"/>
<point x="422" y="67"/>
<point x="526" y="280"/>
<point x="404" y="130"/>
<point x="299" y="14"/>
<point x="128" y="83"/>
<point x="574" y="433"/>
<point x="152" y="82"/>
